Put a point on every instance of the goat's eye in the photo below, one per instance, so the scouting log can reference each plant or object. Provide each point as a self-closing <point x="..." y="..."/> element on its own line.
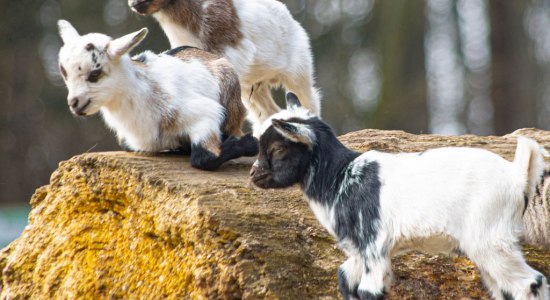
<point x="278" y="151"/>
<point x="95" y="75"/>
<point x="63" y="71"/>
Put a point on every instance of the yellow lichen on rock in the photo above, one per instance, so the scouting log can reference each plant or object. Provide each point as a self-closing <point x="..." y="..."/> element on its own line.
<point x="119" y="225"/>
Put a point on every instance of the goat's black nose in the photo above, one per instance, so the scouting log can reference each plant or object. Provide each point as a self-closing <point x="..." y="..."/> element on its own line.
<point x="73" y="102"/>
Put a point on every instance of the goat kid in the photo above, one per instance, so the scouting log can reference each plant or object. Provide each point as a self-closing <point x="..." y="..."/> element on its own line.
<point x="378" y="204"/>
<point x="267" y="47"/>
<point x="183" y="97"/>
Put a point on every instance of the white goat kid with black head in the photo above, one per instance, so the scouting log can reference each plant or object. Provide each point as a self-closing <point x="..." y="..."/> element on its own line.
<point x="378" y="204"/>
<point x="184" y="97"/>
<point x="267" y="47"/>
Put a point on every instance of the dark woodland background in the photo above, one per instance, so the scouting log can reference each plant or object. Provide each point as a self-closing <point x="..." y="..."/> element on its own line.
<point x="434" y="66"/>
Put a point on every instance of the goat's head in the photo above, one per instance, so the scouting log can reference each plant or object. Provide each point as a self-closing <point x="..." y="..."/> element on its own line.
<point x="88" y="65"/>
<point x="148" y="7"/>
<point x="286" y="147"/>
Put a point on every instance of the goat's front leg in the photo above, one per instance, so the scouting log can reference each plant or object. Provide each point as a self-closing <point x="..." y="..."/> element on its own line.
<point x="209" y="153"/>
<point x="349" y="276"/>
<point x="123" y="145"/>
<point x="376" y="270"/>
<point x="205" y="148"/>
<point x="234" y="147"/>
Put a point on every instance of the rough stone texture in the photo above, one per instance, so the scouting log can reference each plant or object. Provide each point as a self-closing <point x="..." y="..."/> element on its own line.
<point x="134" y="226"/>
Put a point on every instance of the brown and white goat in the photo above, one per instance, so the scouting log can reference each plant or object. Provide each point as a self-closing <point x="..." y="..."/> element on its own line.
<point x="267" y="47"/>
<point x="183" y="97"/>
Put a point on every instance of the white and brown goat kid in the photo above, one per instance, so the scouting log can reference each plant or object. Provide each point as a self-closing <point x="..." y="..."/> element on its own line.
<point x="378" y="204"/>
<point x="267" y="47"/>
<point x="183" y="97"/>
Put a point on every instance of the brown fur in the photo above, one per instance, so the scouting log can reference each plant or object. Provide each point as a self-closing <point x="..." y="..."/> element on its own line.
<point x="195" y="53"/>
<point x="212" y="144"/>
<point x="230" y="96"/>
<point x="169" y="121"/>
<point x="216" y="26"/>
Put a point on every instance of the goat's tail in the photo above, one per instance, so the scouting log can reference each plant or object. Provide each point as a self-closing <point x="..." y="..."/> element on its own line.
<point x="529" y="164"/>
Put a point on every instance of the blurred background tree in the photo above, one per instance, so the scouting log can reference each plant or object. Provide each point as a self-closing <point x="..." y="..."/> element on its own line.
<point x="423" y="66"/>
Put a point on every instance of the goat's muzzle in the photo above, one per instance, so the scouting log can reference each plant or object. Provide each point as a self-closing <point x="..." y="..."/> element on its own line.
<point x="260" y="176"/>
<point x="140" y="6"/>
<point x="79" y="110"/>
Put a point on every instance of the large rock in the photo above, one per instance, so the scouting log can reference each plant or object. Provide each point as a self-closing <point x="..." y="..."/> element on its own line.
<point x="122" y="225"/>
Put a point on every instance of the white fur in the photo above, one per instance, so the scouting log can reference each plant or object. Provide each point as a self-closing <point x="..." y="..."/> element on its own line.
<point x="135" y="98"/>
<point x="275" y="50"/>
<point x="473" y="202"/>
<point x="325" y="215"/>
<point x="462" y="192"/>
<point x="294" y="112"/>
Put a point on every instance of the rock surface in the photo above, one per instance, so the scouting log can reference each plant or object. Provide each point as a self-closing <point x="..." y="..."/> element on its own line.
<point x="134" y="226"/>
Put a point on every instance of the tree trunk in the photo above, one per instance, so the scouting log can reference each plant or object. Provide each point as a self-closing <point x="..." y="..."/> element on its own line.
<point x="513" y="91"/>
<point x="400" y="28"/>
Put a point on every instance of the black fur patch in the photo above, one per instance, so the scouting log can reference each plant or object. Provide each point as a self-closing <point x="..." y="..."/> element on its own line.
<point x="363" y="295"/>
<point x="204" y="159"/>
<point x="90" y="47"/>
<point x="175" y="51"/>
<point x="328" y="163"/>
<point x="287" y="170"/>
<point x="329" y="168"/>
<point x="360" y="198"/>
<point x="343" y="285"/>
<point x="231" y="148"/>
<point x="535" y="287"/>
<point x="142" y="58"/>
<point x="507" y="296"/>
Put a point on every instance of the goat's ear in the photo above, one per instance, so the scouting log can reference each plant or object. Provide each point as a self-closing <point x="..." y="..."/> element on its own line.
<point x="67" y="31"/>
<point x="292" y="101"/>
<point x="295" y="132"/>
<point x="118" y="47"/>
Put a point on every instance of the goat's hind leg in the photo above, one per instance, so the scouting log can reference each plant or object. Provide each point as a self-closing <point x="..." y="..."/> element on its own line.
<point x="260" y="105"/>
<point x="507" y="275"/>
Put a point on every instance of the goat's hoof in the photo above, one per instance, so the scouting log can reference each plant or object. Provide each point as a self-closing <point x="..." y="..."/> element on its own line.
<point x="249" y="145"/>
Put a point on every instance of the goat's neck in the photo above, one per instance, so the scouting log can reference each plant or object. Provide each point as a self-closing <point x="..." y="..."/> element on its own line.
<point x="188" y="13"/>
<point x="132" y="89"/>
<point x="327" y="170"/>
<point x="131" y="97"/>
